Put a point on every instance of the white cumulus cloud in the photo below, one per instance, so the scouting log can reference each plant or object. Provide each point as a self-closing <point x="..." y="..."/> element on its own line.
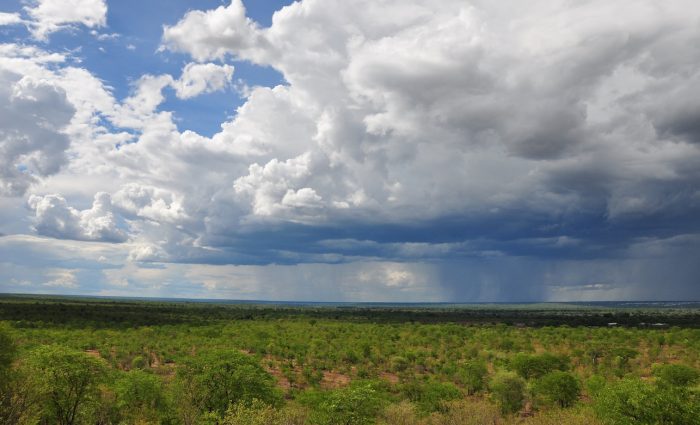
<point x="49" y="16"/>
<point x="202" y="78"/>
<point x="54" y="217"/>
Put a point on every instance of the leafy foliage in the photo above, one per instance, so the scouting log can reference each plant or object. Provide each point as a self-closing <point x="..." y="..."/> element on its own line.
<point x="212" y="364"/>
<point x="473" y="376"/>
<point x="633" y="401"/>
<point x="534" y="366"/>
<point x="66" y="381"/>
<point x="211" y="381"/>
<point x="509" y="392"/>
<point x="357" y="404"/>
<point x="677" y="375"/>
<point x="431" y="396"/>
<point x="140" y="397"/>
<point x="558" y="387"/>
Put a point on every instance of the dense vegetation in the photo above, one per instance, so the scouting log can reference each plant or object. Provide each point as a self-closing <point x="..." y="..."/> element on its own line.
<point x="88" y="361"/>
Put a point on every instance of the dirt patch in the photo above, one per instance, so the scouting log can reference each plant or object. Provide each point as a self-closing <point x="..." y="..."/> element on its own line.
<point x="155" y="361"/>
<point x="334" y="380"/>
<point x="93" y="353"/>
<point x="282" y="380"/>
<point x="389" y="377"/>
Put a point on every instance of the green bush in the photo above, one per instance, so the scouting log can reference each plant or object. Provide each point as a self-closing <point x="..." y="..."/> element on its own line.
<point x="635" y="402"/>
<point x="139" y="396"/>
<point x="66" y="382"/>
<point x="677" y="375"/>
<point x="7" y="354"/>
<point x="508" y="390"/>
<point x="210" y="381"/>
<point x="260" y="413"/>
<point x="357" y="404"/>
<point x="558" y="387"/>
<point x="531" y="366"/>
<point x="399" y="364"/>
<point x="432" y="396"/>
<point x="473" y="375"/>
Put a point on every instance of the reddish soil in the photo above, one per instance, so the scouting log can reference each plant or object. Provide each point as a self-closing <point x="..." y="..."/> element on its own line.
<point x="334" y="380"/>
<point x="389" y="377"/>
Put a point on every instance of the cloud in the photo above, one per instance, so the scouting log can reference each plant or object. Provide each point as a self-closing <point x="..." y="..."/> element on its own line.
<point x="212" y="34"/>
<point x="500" y="137"/>
<point x="61" y="278"/>
<point x="53" y="217"/>
<point x="202" y="78"/>
<point x="33" y="117"/>
<point x="463" y="130"/>
<point x="49" y="16"/>
<point x="10" y="19"/>
<point x="150" y="203"/>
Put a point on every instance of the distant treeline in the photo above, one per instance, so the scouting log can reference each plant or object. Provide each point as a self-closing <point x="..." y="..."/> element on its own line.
<point x="29" y="311"/>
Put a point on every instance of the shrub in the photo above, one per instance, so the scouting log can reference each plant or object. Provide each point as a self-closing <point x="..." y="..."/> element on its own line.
<point x="139" y="395"/>
<point x="66" y="382"/>
<point x="508" y="390"/>
<point x="260" y="413"/>
<point x="467" y="412"/>
<point x="676" y="375"/>
<point x="634" y="402"/>
<point x="435" y="395"/>
<point x="558" y="387"/>
<point x="472" y="375"/>
<point x="7" y="354"/>
<point x="534" y="366"/>
<point x="357" y="404"/>
<point x="402" y="413"/>
<point x="399" y="364"/>
<point x="211" y="381"/>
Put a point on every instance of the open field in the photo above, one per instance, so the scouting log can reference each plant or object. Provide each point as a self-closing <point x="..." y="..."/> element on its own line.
<point x="206" y="363"/>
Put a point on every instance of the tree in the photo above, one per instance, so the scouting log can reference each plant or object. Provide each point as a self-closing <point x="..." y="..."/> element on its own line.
<point x="676" y="375"/>
<point x="211" y="381"/>
<point x="357" y="404"/>
<point x="473" y="375"/>
<point x="509" y="391"/>
<point x="622" y="357"/>
<point x="139" y="396"/>
<point x="558" y="387"/>
<point x="632" y="401"/>
<point x="7" y="354"/>
<point x="534" y="366"/>
<point x="66" y="381"/>
<point x="15" y="397"/>
<point x="259" y="413"/>
<point x="431" y="396"/>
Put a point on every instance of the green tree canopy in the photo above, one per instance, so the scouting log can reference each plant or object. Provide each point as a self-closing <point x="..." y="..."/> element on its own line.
<point x="632" y="401"/>
<point x="7" y="354"/>
<point x="213" y="380"/>
<point x="531" y="366"/>
<point x="558" y="387"/>
<point x="508" y="390"/>
<point x="66" y="381"/>
<point x="473" y="375"/>
<point x="139" y="396"/>
<point x="676" y="374"/>
<point x="357" y="404"/>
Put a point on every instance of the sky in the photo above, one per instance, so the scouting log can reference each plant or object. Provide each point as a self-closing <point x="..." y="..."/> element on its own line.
<point x="373" y="150"/>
